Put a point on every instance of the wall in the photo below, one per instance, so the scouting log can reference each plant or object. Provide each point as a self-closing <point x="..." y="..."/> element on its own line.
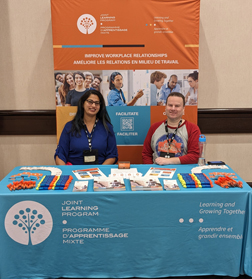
<point x="225" y="66"/>
<point x="26" y="76"/>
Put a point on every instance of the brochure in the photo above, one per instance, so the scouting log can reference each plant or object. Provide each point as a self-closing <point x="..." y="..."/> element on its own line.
<point x="92" y="173"/>
<point x="160" y="172"/>
<point x="146" y="184"/>
<point x="109" y="184"/>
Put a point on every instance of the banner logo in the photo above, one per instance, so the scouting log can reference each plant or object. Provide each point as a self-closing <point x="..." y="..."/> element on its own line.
<point x="86" y="24"/>
<point x="28" y="223"/>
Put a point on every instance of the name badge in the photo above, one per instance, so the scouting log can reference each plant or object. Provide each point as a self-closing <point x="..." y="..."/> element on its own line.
<point x="90" y="157"/>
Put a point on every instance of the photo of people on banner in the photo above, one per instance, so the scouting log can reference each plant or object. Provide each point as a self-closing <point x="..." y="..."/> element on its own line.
<point x="127" y="87"/>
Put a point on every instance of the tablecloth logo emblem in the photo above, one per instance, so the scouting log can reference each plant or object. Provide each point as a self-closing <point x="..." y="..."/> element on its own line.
<point x="127" y="124"/>
<point x="86" y="24"/>
<point x="28" y="222"/>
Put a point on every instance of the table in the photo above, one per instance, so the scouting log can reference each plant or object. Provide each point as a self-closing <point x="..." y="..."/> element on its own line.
<point x="122" y="234"/>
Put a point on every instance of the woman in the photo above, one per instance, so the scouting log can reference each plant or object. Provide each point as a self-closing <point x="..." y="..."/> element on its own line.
<point x="74" y="95"/>
<point x="192" y="95"/>
<point x="68" y="85"/>
<point x="88" y="79"/>
<point x="89" y="138"/>
<point x="116" y="96"/>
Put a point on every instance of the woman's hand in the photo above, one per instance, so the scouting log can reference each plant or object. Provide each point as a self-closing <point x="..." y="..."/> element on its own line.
<point x="137" y="96"/>
<point x="139" y="93"/>
<point x="187" y="96"/>
<point x="192" y="102"/>
<point x="109" y="161"/>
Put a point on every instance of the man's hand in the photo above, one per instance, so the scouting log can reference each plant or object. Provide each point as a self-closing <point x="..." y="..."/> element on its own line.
<point x="167" y="161"/>
<point x="162" y="161"/>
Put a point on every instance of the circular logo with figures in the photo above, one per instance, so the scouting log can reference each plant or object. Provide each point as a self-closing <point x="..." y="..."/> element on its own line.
<point x="28" y="223"/>
<point x="86" y="24"/>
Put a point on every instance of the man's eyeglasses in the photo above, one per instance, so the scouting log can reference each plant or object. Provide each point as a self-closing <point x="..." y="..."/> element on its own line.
<point x="91" y="102"/>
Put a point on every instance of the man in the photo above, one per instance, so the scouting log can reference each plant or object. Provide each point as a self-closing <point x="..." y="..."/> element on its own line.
<point x="171" y="86"/>
<point x="59" y="77"/>
<point x="96" y="83"/>
<point x="175" y="140"/>
<point x="157" y="81"/>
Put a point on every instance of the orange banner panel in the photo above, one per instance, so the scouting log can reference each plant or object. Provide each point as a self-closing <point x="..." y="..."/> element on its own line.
<point x="133" y="154"/>
<point x="145" y="34"/>
<point x="64" y="115"/>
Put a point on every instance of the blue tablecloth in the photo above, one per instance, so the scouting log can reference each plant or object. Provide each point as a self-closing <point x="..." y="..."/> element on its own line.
<point x="247" y="263"/>
<point x="121" y="234"/>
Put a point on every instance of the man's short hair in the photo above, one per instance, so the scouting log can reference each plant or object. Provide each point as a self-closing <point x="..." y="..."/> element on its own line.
<point x="173" y="75"/>
<point x="176" y="94"/>
<point x="157" y="76"/>
<point x="57" y="73"/>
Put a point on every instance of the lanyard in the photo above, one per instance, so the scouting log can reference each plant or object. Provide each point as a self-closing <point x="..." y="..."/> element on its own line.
<point x="91" y="135"/>
<point x="122" y="96"/>
<point x="169" y="142"/>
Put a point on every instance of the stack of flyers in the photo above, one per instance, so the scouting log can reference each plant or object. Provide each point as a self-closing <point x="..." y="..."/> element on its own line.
<point x="171" y="185"/>
<point x="80" y="186"/>
<point x="145" y="184"/>
<point x="91" y="173"/>
<point x="109" y="184"/>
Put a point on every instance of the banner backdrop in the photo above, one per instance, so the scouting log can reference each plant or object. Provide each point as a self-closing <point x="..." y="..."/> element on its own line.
<point x="150" y="43"/>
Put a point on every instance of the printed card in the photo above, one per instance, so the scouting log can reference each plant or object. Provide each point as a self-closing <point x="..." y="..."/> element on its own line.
<point x="80" y="186"/>
<point x="171" y="184"/>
